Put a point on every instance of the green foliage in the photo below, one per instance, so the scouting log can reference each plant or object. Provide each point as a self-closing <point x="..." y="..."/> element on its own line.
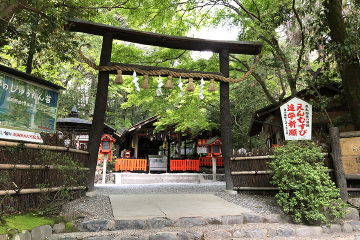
<point x="305" y="188"/>
<point x="70" y="227"/>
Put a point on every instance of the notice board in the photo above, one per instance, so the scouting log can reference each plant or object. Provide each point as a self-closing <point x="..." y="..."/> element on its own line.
<point x="26" y="106"/>
<point x="350" y="151"/>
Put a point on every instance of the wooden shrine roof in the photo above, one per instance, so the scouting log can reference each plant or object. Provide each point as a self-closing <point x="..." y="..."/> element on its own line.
<point x="259" y="116"/>
<point x="162" y="40"/>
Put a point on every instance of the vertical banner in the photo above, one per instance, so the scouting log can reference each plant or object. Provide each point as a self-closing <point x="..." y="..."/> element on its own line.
<point x="296" y="116"/>
<point x="26" y="106"/>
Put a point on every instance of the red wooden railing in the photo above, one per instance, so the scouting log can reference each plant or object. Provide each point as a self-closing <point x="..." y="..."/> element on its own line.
<point x="184" y="165"/>
<point x="127" y="164"/>
<point x="207" y="161"/>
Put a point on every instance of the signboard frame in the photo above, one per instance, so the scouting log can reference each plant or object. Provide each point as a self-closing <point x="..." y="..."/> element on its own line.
<point x="296" y="116"/>
<point x="26" y="103"/>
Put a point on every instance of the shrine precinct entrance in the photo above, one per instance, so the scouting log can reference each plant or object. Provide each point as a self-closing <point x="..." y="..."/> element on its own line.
<point x="109" y="33"/>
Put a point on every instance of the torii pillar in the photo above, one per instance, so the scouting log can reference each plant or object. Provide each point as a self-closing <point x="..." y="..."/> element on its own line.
<point x="97" y="125"/>
<point x="225" y="119"/>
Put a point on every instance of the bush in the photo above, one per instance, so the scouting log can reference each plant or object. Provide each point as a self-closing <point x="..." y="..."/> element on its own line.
<point x="305" y="188"/>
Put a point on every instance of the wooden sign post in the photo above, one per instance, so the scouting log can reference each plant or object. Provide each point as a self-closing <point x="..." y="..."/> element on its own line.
<point x="350" y="150"/>
<point x="338" y="164"/>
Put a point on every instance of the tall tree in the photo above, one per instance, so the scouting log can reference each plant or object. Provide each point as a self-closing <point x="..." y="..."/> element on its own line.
<point x="344" y="45"/>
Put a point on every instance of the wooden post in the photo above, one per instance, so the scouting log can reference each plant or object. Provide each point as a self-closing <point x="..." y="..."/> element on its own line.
<point x="338" y="165"/>
<point x="97" y="125"/>
<point x="168" y="151"/>
<point x="225" y="119"/>
<point x="136" y="144"/>
<point x="179" y="144"/>
<point x="213" y="159"/>
<point x="185" y="148"/>
<point x="104" y="168"/>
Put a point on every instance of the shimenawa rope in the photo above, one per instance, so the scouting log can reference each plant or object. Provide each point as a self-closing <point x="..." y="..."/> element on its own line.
<point x="166" y="72"/>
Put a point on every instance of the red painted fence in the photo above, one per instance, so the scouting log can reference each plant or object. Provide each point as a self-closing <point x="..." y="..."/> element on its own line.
<point x="207" y="161"/>
<point x="184" y="165"/>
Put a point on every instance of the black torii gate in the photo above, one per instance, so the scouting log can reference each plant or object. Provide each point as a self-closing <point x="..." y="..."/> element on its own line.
<point x="224" y="48"/>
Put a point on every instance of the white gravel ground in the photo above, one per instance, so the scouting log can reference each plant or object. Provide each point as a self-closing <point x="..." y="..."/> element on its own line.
<point x="99" y="207"/>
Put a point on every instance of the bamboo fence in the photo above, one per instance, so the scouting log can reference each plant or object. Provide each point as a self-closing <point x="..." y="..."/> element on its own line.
<point x="33" y="175"/>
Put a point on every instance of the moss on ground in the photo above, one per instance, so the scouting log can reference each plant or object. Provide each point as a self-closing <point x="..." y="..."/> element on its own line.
<point x="11" y="224"/>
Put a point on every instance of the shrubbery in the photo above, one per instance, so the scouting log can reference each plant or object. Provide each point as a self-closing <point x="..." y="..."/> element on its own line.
<point x="305" y="188"/>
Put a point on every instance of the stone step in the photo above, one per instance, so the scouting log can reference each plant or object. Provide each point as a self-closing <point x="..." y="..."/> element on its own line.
<point x="145" y="178"/>
<point x="218" y="231"/>
<point x="247" y="225"/>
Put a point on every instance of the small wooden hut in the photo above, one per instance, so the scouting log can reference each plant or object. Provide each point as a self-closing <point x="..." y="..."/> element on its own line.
<point x="141" y="139"/>
<point x="267" y="121"/>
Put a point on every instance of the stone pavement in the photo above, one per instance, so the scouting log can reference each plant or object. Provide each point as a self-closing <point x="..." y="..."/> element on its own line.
<point x="193" y="216"/>
<point x="200" y="216"/>
<point x="172" y="206"/>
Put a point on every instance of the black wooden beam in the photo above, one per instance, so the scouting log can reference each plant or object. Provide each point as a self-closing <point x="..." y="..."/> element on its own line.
<point x="162" y="40"/>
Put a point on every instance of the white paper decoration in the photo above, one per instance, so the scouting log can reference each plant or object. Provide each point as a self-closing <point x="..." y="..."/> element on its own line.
<point x="180" y="84"/>
<point x="202" y="84"/>
<point x="135" y="81"/>
<point x="160" y="84"/>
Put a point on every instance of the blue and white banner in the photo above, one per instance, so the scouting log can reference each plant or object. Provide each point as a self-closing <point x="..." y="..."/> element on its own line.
<point x="26" y="106"/>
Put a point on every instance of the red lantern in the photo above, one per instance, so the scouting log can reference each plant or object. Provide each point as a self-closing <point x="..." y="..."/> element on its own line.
<point x="105" y="145"/>
<point x="127" y="154"/>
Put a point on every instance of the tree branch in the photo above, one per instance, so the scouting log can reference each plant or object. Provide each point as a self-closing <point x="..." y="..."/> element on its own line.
<point x="251" y="15"/>
<point x="23" y="5"/>
<point x="169" y="59"/>
<point x="259" y="79"/>
<point x="257" y="9"/>
<point x="302" y="49"/>
<point x="281" y="79"/>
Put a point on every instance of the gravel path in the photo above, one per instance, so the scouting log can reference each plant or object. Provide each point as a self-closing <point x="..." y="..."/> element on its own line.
<point x="99" y="207"/>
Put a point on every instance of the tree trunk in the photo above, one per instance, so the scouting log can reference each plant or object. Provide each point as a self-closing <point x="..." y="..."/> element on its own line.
<point x="338" y="164"/>
<point x="348" y="65"/>
<point x="225" y="119"/>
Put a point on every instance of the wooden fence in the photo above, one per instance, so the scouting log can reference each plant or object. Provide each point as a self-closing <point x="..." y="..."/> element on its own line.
<point x="36" y="176"/>
<point x="251" y="175"/>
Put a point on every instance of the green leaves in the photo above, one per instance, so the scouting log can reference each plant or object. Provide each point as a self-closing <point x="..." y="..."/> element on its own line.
<point x="305" y="188"/>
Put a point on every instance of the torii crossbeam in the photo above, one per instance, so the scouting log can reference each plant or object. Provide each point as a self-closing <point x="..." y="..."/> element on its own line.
<point x="224" y="48"/>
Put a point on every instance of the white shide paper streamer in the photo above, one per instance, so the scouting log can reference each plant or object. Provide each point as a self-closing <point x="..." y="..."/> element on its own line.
<point x="180" y="84"/>
<point x="160" y="84"/>
<point x="135" y="81"/>
<point x="202" y="84"/>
